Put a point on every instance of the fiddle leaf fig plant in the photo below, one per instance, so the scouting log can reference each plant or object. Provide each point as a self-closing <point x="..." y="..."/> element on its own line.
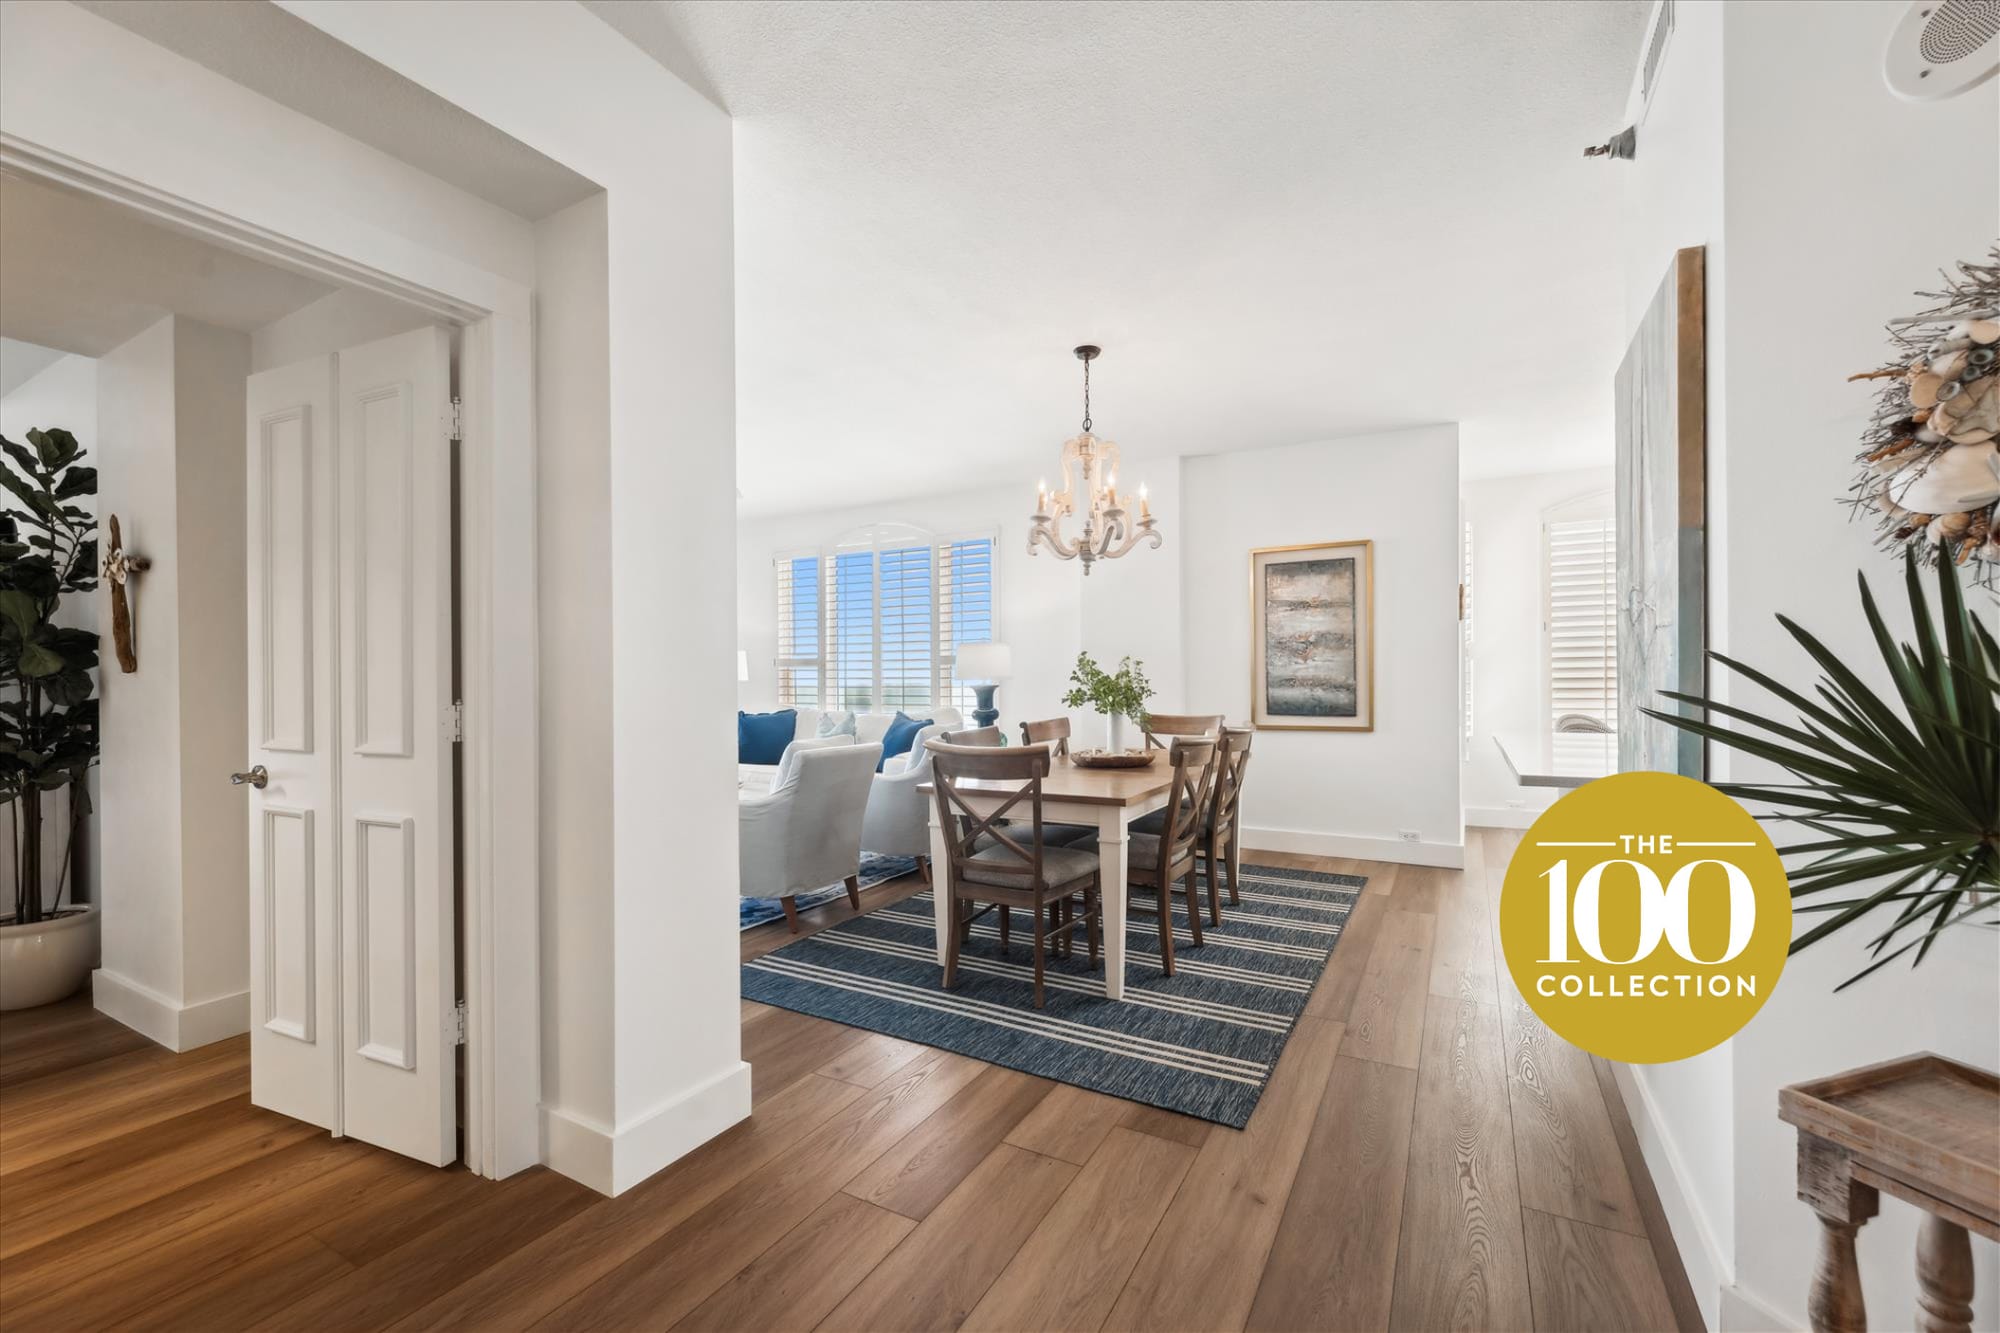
<point x="1121" y="693"/>
<point x="1902" y="787"/>
<point x="48" y="715"/>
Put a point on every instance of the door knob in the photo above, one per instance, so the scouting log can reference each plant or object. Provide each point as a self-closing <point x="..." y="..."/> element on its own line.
<point x="256" y="777"/>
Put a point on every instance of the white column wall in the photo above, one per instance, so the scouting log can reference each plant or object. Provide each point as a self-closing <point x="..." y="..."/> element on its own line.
<point x="663" y="153"/>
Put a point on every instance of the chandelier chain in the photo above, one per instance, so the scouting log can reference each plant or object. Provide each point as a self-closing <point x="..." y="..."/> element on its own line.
<point x="1086" y="396"/>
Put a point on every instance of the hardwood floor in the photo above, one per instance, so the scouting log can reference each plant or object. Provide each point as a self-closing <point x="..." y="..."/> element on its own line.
<point x="1426" y="1156"/>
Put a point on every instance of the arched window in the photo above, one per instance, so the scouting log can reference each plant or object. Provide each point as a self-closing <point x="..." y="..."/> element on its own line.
<point x="874" y="621"/>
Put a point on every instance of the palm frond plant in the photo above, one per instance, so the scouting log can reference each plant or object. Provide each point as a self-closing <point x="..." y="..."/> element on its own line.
<point x="48" y="719"/>
<point x="1902" y="788"/>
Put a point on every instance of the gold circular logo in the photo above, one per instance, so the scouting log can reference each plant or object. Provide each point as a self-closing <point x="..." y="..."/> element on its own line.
<point x="1645" y="917"/>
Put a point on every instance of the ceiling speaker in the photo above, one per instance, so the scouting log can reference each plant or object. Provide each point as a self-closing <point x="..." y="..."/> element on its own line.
<point x="1943" y="48"/>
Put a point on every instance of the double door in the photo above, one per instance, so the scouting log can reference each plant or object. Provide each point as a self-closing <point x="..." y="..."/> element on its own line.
<point x="350" y="772"/>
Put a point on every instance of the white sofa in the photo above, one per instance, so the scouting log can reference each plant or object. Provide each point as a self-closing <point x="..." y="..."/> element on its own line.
<point x="869" y="728"/>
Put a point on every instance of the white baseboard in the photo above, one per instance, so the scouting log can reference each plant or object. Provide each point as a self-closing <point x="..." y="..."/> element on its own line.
<point x="1709" y="1270"/>
<point x="613" y="1161"/>
<point x="1500" y="816"/>
<point x="1744" y="1313"/>
<point x="1450" y="855"/>
<point x="176" y="1026"/>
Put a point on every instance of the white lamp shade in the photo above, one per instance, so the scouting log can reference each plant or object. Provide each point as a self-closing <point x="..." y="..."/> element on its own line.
<point x="742" y="665"/>
<point x="983" y="661"/>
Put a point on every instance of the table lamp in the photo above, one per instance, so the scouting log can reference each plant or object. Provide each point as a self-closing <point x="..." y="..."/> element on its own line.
<point x="984" y="665"/>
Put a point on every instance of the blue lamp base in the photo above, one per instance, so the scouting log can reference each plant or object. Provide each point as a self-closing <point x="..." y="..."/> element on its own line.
<point x="985" y="715"/>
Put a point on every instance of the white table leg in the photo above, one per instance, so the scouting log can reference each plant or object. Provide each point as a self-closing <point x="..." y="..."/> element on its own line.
<point x="1111" y="894"/>
<point x="940" y="880"/>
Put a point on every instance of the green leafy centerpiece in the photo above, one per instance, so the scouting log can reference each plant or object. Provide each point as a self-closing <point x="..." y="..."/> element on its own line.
<point x="1117" y="695"/>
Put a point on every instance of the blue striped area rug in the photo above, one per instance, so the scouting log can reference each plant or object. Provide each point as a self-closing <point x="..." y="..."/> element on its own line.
<point x="1202" y="1042"/>
<point x="874" y="870"/>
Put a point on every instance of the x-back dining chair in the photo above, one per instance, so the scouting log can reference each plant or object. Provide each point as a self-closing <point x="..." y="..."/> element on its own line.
<point x="1161" y="728"/>
<point x="1007" y="865"/>
<point x="1156" y="861"/>
<point x="991" y="737"/>
<point x="1222" y="831"/>
<point x="1053" y="733"/>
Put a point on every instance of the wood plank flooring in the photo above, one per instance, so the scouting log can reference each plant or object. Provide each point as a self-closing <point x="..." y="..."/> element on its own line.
<point x="1426" y="1156"/>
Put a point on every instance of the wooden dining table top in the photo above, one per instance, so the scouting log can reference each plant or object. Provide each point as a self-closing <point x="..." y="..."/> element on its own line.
<point x="1066" y="781"/>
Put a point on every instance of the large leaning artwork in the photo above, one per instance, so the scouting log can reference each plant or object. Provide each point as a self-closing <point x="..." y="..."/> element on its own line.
<point x="1661" y="524"/>
<point x="1312" y="645"/>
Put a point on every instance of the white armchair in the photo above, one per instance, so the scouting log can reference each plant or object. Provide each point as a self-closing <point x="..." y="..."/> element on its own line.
<point x="806" y="832"/>
<point x="898" y="820"/>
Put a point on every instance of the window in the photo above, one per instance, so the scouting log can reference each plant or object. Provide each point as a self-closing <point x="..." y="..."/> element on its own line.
<point x="875" y="623"/>
<point x="1465" y="640"/>
<point x="1580" y="563"/>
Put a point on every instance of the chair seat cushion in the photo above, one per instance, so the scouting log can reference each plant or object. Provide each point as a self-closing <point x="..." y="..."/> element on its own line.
<point x="1142" y="851"/>
<point x="1060" y="865"/>
<point x="1156" y="823"/>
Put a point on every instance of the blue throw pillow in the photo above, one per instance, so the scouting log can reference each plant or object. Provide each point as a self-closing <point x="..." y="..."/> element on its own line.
<point x="761" y="738"/>
<point x="902" y="733"/>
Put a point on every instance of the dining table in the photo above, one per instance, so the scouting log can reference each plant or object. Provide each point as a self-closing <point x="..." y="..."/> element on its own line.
<point x="1106" y="799"/>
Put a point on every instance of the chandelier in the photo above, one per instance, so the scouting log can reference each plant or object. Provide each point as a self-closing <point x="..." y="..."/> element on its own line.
<point x="1089" y="487"/>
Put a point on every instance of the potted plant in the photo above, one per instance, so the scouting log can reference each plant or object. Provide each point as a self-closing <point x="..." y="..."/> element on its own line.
<point x="1902" y="788"/>
<point x="1118" y="696"/>
<point x="48" y="717"/>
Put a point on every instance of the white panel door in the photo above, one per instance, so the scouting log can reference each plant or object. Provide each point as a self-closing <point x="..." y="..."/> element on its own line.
<point x="294" y="919"/>
<point x="393" y="555"/>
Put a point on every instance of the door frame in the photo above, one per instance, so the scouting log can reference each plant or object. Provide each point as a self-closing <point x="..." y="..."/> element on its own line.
<point x="497" y="591"/>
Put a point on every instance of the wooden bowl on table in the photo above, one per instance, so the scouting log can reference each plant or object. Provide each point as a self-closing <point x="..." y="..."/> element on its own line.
<point x="1112" y="758"/>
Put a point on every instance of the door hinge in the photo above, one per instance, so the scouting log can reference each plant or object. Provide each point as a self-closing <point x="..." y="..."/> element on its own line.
<point x="454" y="722"/>
<point x="458" y="419"/>
<point x="458" y="1024"/>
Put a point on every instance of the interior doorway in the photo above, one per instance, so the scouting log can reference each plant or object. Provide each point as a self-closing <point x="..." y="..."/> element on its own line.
<point x="319" y="531"/>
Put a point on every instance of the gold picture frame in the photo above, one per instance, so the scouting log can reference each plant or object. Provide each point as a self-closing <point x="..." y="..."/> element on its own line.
<point x="1319" y="593"/>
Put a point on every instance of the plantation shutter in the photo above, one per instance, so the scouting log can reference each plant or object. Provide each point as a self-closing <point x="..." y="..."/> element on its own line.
<point x="1581" y="570"/>
<point x="965" y="610"/>
<point x="875" y="624"/>
<point x="801" y="663"/>
<point x="1465" y="640"/>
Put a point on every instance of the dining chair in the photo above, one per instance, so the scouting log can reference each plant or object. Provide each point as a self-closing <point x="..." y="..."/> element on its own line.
<point x="1053" y="733"/>
<point x="1163" y="727"/>
<point x="1224" y="824"/>
<point x="1008" y="865"/>
<point x="981" y="736"/>
<point x="1156" y="862"/>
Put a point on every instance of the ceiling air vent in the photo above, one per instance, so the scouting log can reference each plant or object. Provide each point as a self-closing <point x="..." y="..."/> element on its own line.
<point x="1943" y="48"/>
<point x="1656" y="51"/>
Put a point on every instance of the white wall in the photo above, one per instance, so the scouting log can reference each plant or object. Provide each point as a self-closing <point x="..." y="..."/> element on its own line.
<point x="1339" y="793"/>
<point x="1747" y="151"/>
<point x="175" y="874"/>
<point x="338" y="320"/>
<point x="1509" y="666"/>
<point x="1803" y="136"/>
<point x="63" y="393"/>
<point x="573" y="431"/>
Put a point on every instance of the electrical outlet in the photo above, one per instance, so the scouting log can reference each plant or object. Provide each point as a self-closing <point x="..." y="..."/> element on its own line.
<point x="1408" y="835"/>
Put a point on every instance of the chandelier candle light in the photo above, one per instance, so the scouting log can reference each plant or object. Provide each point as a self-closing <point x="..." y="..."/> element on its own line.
<point x="1106" y="534"/>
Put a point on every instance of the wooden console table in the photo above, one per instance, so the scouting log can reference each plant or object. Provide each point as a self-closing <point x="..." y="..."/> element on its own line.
<point x="1922" y="1129"/>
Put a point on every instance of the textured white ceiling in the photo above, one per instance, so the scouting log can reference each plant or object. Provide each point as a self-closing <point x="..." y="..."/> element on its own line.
<point x="83" y="275"/>
<point x="288" y="60"/>
<point x="1282" y="221"/>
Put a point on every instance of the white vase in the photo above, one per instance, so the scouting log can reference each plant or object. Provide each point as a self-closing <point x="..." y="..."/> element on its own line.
<point x="1114" y="730"/>
<point x="46" y="961"/>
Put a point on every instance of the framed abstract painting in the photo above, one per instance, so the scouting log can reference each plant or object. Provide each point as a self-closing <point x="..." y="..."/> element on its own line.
<point x="1662" y="523"/>
<point x="1312" y="643"/>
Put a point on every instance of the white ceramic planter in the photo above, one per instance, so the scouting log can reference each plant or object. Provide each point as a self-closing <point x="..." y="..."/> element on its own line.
<point x="47" y="961"/>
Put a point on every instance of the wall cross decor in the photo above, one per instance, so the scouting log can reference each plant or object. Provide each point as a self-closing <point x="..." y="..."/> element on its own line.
<point x="118" y="571"/>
